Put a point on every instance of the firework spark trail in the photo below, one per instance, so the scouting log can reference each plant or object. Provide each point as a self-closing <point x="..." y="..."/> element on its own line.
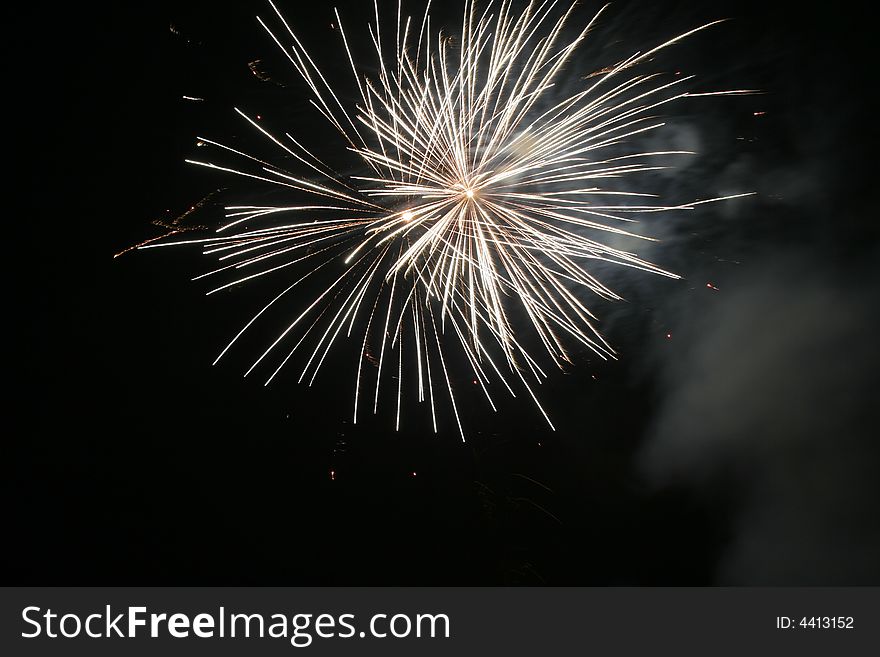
<point x="481" y="189"/>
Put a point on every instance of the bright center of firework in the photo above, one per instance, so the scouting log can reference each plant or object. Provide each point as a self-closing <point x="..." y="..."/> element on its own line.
<point x="469" y="193"/>
<point x="408" y="216"/>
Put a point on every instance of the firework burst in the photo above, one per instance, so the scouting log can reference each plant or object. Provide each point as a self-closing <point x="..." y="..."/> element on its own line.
<point x="485" y="195"/>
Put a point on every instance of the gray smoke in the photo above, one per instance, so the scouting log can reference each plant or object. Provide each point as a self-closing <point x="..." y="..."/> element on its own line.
<point x="767" y="393"/>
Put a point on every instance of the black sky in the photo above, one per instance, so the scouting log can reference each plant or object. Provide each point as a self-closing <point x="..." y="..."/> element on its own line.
<point x="740" y="450"/>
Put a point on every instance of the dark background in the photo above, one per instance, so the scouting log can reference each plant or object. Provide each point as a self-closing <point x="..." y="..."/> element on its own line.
<point x="732" y="442"/>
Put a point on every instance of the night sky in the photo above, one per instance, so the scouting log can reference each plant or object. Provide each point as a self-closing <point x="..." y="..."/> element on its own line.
<point x="733" y="442"/>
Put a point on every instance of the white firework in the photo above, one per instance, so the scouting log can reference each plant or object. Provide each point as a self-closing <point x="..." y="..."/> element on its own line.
<point x="486" y="192"/>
